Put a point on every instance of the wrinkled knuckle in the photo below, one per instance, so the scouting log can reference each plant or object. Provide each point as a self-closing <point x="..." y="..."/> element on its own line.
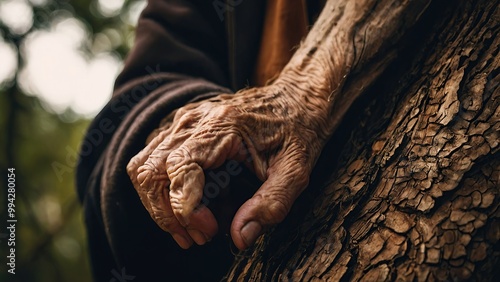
<point x="177" y="158"/>
<point x="156" y="196"/>
<point x="277" y="209"/>
<point x="226" y="111"/>
<point x="132" y="167"/>
<point x="185" y="119"/>
<point x="145" y="173"/>
<point x="154" y="163"/>
<point x="186" y="176"/>
<point x="180" y="112"/>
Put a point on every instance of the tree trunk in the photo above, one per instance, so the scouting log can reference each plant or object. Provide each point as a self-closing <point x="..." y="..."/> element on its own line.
<point x="408" y="187"/>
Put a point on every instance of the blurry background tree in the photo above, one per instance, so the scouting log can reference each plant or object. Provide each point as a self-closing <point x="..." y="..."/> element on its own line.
<point x="58" y="60"/>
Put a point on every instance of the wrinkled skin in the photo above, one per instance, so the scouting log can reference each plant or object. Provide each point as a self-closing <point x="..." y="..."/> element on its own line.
<point x="276" y="131"/>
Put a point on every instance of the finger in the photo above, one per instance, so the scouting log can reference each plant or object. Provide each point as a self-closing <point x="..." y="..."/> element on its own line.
<point x="153" y="169"/>
<point x="151" y="183"/>
<point x="141" y="157"/>
<point x="202" y="225"/>
<point x="186" y="187"/>
<point x="186" y="191"/>
<point x="185" y="168"/>
<point x="134" y="165"/>
<point x="288" y="175"/>
<point x="153" y="191"/>
<point x="164" y="217"/>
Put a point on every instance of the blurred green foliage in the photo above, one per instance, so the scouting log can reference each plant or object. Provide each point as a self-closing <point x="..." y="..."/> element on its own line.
<point x="50" y="236"/>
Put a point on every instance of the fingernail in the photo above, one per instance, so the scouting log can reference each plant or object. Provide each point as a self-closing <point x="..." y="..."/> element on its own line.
<point x="182" y="241"/>
<point x="250" y="232"/>
<point x="197" y="236"/>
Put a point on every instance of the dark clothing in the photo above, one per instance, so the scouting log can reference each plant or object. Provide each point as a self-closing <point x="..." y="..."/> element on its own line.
<point x="184" y="50"/>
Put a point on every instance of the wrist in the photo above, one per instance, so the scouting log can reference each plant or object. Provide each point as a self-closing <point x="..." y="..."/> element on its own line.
<point x="311" y="98"/>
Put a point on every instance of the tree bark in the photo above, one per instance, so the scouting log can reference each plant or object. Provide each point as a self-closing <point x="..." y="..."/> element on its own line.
<point x="408" y="187"/>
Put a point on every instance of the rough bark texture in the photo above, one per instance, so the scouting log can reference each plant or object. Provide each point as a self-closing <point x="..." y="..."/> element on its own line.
<point x="408" y="187"/>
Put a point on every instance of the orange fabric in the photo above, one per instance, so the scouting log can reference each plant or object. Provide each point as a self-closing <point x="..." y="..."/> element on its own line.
<point x="285" y="24"/>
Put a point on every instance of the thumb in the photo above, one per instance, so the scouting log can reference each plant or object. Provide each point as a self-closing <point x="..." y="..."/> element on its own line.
<point x="287" y="178"/>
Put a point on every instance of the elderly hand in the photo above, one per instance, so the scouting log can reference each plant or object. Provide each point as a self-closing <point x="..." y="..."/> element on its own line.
<point x="277" y="130"/>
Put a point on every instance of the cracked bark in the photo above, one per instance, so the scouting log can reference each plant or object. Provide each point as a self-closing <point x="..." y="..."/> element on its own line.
<point x="408" y="186"/>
